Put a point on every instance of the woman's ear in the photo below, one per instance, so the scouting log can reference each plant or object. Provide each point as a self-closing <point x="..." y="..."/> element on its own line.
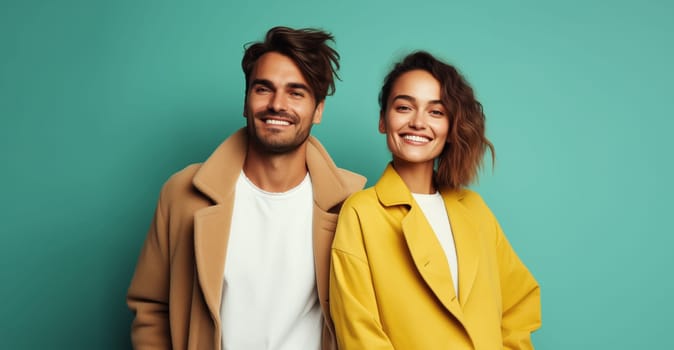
<point x="382" y="123"/>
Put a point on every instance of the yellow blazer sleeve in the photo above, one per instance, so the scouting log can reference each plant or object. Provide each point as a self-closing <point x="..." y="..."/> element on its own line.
<point x="147" y="296"/>
<point x="353" y="303"/>
<point x="521" y="297"/>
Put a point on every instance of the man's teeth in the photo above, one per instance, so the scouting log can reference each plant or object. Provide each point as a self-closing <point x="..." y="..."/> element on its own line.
<point x="415" y="138"/>
<point x="276" y="122"/>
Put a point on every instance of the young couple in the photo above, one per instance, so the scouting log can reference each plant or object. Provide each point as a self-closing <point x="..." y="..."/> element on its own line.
<point x="259" y="248"/>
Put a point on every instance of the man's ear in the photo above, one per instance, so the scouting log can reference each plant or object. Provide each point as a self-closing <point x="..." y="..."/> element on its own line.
<point x="382" y="123"/>
<point x="318" y="112"/>
<point x="245" y="106"/>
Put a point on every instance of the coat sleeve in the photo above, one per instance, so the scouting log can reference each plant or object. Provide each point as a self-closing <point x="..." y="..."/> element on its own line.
<point x="521" y="298"/>
<point x="147" y="296"/>
<point x="352" y="299"/>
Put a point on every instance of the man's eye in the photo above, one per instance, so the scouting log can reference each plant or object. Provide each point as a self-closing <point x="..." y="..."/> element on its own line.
<point x="296" y="94"/>
<point x="403" y="108"/>
<point x="261" y="89"/>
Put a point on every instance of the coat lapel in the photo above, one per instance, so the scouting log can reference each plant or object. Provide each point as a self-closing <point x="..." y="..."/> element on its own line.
<point x="429" y="258"/>
<point x="466" y="240"/>
<point x="425" y="249"/>
<point x="216" y="179"/>
<point x="211" y="234"/>
<point x="329" y="192"/>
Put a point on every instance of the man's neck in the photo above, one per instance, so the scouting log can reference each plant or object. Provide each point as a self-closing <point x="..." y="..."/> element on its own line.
<point x="276" y="172"/>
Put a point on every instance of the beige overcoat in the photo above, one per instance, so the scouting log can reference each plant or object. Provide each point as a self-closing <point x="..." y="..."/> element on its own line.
<point x="176" y="290"/>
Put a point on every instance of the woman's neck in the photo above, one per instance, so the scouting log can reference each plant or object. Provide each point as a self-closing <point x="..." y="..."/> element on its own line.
<point x="417" y="176"/>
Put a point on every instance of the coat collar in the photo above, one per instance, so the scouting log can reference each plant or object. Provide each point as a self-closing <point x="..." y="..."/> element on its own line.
<point x="391" y="190"/>
<point x="429" y="257"/>
<point x="216" y="179"/>
<point x="218" y="174"/>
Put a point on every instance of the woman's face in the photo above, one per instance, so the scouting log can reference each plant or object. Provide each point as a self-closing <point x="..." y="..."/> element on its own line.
<point x="415" y="121"/>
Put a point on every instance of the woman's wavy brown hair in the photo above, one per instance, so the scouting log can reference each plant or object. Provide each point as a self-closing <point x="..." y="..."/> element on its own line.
<point x="461" y="158"/>
<point x="310" y="51"/>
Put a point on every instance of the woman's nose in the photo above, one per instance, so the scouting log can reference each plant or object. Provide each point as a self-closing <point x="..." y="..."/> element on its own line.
<point x="417" y="121"/>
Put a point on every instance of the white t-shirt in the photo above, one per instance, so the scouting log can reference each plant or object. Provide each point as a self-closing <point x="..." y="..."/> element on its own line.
<point x="269" y="298"/>
<point x="434" y="209"/>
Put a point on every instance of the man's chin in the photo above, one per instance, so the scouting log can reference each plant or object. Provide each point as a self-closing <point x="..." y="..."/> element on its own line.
<point x="277" y="146"/>
<point x="275" y="143"/>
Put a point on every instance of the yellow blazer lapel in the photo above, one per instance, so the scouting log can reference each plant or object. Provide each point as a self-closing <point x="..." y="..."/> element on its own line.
<point x="425" y="249"/>
<point x="466" y="241"/>
<point x="430" y="259"/>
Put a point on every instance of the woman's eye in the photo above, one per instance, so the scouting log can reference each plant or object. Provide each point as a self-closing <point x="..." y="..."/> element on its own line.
<point x="437" y="113"/>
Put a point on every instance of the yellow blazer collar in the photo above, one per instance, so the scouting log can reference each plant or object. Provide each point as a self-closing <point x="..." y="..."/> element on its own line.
<point x="392" y="190"/>
<point x="429" y="257"/>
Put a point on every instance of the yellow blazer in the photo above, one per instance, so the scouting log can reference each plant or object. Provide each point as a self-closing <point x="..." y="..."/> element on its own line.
<point x="177" y="287"/>
<point x="390" y="284"/>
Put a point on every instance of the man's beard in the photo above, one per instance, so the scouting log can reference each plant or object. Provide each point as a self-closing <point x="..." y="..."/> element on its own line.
<point x="272" y="145"/>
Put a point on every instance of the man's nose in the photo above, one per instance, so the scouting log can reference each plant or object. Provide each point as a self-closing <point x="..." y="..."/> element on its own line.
<point x="277" y="102"/>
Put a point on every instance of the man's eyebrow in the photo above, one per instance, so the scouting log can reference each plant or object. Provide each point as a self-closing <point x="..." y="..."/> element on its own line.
<point x="299" y="86"/>
<point x="267" y="83"/>
<point x="263" y="82"/>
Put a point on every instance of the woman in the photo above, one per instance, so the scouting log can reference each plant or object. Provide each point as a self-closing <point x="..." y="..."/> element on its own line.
<point x="418" y="260"/>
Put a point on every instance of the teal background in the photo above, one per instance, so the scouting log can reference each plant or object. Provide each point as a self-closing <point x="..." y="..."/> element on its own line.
<point x="101" y="101"/>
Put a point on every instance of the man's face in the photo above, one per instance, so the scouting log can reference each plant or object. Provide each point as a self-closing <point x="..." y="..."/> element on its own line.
<point x="280" y="107"/>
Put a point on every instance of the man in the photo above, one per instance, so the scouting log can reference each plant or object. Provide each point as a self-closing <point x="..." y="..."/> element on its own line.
<point x="237" y="256"/>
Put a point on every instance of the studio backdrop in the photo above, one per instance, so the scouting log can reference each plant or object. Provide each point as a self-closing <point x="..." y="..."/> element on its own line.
<point x="101" y="101"/>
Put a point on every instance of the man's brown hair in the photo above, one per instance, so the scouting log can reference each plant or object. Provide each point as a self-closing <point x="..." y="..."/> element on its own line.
<point x="461" y="157"/>
<point x="310" y="51"/>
